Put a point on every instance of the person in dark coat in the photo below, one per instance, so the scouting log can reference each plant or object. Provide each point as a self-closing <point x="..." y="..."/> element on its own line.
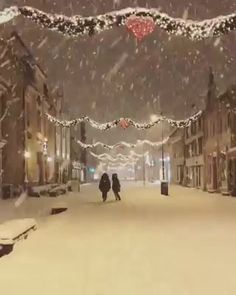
<point x="116" y="186"/>
<point x="104" y="186"/>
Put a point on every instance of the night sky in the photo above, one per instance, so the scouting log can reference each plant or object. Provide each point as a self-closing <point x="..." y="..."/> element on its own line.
<point x="112" y="75"/>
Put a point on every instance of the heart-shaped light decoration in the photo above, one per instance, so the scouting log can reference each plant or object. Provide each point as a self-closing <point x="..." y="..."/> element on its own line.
<point x="119" y="146"/>
<point x="140" y="26"/>
<point x="124" y="124"/>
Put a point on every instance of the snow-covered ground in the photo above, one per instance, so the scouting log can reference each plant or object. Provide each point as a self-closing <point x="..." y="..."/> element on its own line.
<point x="146" y="244"/>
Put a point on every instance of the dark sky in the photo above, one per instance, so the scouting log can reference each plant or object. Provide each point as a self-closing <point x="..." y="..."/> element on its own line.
<point x="173" y="70"/>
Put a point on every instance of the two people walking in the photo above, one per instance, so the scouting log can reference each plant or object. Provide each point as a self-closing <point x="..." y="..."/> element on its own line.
<point x="105" y="186"/>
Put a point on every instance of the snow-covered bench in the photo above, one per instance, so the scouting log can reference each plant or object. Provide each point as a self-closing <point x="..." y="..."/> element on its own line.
<point x="36" y="191"/>
<point x="52" y="190"/>
<point x="13" y="231"/>
<point x="58" y="190"/>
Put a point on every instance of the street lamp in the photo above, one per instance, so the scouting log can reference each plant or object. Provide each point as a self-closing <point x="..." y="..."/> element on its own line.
<point x="164" y="183"/>
<point x="162" y="153"/>
<point x="144" y="169"/>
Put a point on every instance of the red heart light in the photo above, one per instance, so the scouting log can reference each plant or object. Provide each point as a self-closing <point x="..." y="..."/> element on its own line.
<point x="124" y="124"/>
<point x="140" y="26"/>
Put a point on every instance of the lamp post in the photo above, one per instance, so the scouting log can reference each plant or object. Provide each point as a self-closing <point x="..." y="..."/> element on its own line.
<point x="144" y="170"/>
<point x="164" y="182"/>
<point x="27" y="156"/>
<point x="83" y="157"/>
<point x="162" y="153"/>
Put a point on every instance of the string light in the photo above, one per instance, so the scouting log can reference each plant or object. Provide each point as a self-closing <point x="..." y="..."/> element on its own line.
<point x="120" y="165"/>
<point x="132" y="156"/>
<point x="122" y="144"/>
<point x="109" y="125"/>
<point x="117" y="163"/>
<point x="78" y="25"/>
<point x="8" y="14"/>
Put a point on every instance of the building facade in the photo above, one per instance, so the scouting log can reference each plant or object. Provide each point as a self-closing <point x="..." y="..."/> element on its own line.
<point x="220" y="131"/>
<point x="28" y="155"/>
<point x="177" y="160"/>
<point x="194" y="158"/>
<point x="206" y="152"/>
<point x="63" y="142"/>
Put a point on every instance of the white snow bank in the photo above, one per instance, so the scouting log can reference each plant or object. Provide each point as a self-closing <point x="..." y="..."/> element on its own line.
<point x="39" y="189"/>
<point x="12" y="230"/>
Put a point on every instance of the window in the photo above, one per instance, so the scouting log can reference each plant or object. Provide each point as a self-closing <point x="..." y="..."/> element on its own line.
<point x="220" y="125"/>
<point x="234" y="123"/>
<point x="228" y="121"/>
<point x="187" y="132"/>
<point x="213" y="129"/>
<point x="27" y="109"/>
<point x="193" y="128"/>
<point x="39" y="120"/>
<point x="38" y="100"/>
<point x="194" y="148"/>
<point x="45" y="90"/>
<point x="200" y="124"/>
<point x="200" y="146"/>
<point x="187" y="151"/>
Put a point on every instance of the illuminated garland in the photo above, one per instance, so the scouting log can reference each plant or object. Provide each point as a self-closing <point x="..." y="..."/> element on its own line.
<point x="117" y="166"/>
<point x="133" y="157"/>
<point x="78" y="25"/>
<point x="8" y="14"/>
<point x="120" y="165"/>
<point x="130" y="122"/>
<point x="122" y="144"/>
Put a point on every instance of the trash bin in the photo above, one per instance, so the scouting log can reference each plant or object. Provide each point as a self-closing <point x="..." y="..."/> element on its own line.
<point x="164" y="188"/>
<point x="75" y="185"/>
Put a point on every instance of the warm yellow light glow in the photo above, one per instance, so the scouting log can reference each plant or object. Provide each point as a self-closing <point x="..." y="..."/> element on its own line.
<point x="27" y="154"/>
<point x="154" y="117"/>
<point x="49" y="159"/>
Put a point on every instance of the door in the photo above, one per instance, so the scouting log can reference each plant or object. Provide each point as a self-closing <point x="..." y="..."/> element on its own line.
<point x="40" y="167"/>
<point x="214" y="173"/>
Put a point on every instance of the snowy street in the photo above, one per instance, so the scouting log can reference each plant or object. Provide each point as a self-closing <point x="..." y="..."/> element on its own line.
<point x="146" y="244"/>
<point x="102" y="104"/>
